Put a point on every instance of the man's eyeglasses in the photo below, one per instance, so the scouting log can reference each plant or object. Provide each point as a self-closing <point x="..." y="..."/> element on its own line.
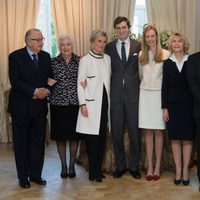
<point x="38" y="40"/>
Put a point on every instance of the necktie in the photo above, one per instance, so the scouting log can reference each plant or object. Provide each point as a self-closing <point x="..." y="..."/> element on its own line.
<point x="35" y="60"/>
<point x="123" y="53"/>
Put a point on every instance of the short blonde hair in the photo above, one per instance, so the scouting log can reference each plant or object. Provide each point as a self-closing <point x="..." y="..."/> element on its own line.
<point x="186" y="44"/>
<point x="97" y="33"/>
<point x="63" y="37"/>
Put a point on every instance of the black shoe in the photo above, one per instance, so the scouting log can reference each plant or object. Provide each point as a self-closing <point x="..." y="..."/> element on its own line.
<point x="177" y="182"/>
<point x="63" y="175"/>
<point x="119" y="174"/>
<point x="72" y="174"/>
<point x="39" y="181"/>
<point x="135" y="174"/>
<point x="24" y="184"/>
<point x="186" y="182"/>
<point x="103" y="176"/>
<point x="98" y="179"/>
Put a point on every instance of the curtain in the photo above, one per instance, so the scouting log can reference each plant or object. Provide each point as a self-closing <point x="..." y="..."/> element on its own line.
<point x="16" y="16"/>
<point x="197" y="46"/>
<point x="174" y="15"/>
<point x="79" y="17"/>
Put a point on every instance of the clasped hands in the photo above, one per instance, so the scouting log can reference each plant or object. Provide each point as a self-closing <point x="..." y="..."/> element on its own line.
<point x="40" y="93"/>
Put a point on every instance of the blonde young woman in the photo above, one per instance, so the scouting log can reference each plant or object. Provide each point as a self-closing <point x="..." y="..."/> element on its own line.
<point x="177" y="106"/>
<point x="151" y="60"/>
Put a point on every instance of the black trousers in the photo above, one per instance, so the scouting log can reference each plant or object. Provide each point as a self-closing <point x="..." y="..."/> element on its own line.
<point x="29" y="139"/>
<point x="197" y="121"/>
<point x="95" y="144"/>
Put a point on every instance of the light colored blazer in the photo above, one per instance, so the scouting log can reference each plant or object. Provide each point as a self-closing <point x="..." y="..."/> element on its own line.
<point x="96" y="71"/>
<point x="151" y="74"/>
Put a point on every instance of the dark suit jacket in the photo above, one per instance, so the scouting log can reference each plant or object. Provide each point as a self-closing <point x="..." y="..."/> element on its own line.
<point x="174" y="85"/>
<point x="129" y="72"/>
<point x="24" y="79"/>
<point x="193" y="77"/>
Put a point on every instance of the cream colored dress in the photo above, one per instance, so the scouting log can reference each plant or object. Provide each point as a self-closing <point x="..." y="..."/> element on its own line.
<point x="150" y="112"/>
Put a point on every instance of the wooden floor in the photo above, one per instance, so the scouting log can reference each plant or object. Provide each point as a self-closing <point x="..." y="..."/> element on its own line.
<point x="81" y="188"/>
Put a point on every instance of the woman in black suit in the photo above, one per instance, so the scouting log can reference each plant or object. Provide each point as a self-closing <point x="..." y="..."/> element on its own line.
<point x="177" y="106"/>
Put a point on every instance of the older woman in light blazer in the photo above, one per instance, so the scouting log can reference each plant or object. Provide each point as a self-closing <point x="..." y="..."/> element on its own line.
<point x="94" y="103"/>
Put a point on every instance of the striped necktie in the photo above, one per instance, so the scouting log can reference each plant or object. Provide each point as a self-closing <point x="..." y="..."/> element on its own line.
<point x="35" y="60"/>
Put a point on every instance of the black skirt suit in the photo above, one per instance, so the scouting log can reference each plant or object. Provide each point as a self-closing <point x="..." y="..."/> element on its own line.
<point x="177" y="98"/>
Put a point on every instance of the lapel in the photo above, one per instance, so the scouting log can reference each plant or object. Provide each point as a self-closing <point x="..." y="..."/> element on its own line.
<point x="176" y="68"/>
<point x="131" y="50"/>
<point x="115" y="50"/>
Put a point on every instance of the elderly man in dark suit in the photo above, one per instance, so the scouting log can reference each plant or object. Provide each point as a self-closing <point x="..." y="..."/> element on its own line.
<point x="124" y="96"/>
<point x="29" y="69"/>
<point x="193" y="77"/>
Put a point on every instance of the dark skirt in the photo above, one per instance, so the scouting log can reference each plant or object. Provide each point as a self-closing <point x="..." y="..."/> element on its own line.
<point x="181" y="123"/>
<point x="63" y="123"/>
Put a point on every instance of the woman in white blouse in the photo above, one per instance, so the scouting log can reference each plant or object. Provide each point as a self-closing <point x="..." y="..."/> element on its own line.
<point x="151" y="60"/>
<point x="93" y="117"/>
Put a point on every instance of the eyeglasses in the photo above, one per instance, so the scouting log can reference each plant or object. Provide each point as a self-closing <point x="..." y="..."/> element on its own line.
<point x="38" y="40"/>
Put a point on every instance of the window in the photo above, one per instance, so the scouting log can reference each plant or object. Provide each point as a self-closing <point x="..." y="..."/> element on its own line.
<point x="45" y="24"/>
<point x="140" y="17"/>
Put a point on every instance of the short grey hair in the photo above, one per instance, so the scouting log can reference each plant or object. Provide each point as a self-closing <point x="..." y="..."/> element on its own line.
<point x="97" y="33"/>
<point x="28" y="33"/>
<point x="65" y="36"/>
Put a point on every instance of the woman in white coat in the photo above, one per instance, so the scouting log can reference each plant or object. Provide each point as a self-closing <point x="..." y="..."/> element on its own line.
<point x="93" y="118"/>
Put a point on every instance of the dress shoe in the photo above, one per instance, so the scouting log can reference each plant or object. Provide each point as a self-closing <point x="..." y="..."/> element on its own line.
<point x="119" y="174"/>
<point x="186" y="182"/>
<point x="24" y="184"/>
<point x="39" y="181"/>
<point x="98" y="179"/>
<point x="135" y="174"/>
<point x="156" y="177"/>
<point x="177" y="181"/>
<point x="72" y="174"/>
<point x="103" y="176"/>
<point x="63" y="175"/>
<point x="149" y="177"/>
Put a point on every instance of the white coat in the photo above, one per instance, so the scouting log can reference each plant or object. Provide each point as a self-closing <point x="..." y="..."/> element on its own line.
<point x="96" y="70"/>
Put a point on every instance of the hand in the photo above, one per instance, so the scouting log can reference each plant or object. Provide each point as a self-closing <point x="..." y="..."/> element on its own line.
<point x="41" y="93"/>
<point x="83" y="84"/>
<point x="51" y="81"/>
<point x="84" y="110"/>
<point x="165" y="115"/>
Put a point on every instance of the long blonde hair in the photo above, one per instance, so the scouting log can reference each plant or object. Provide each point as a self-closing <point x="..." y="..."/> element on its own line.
<point x="144" y="57"/>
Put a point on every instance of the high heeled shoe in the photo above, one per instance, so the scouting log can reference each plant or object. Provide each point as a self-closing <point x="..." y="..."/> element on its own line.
<point x="177" y="181"/>
<point x="156" y="177"/>
<point x="63" y="175"/>
<point x="149" y="177"/>
<point x="186" y="182"/>
<point x="103" y="176"/>
<point x="72" y="174"/>
<point x="98" y="179"/>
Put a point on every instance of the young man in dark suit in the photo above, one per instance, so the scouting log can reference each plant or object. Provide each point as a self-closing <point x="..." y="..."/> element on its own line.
<point x="29" y="69"/>
<point x="193" y="77"/>
<point x="124" y="96"/>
